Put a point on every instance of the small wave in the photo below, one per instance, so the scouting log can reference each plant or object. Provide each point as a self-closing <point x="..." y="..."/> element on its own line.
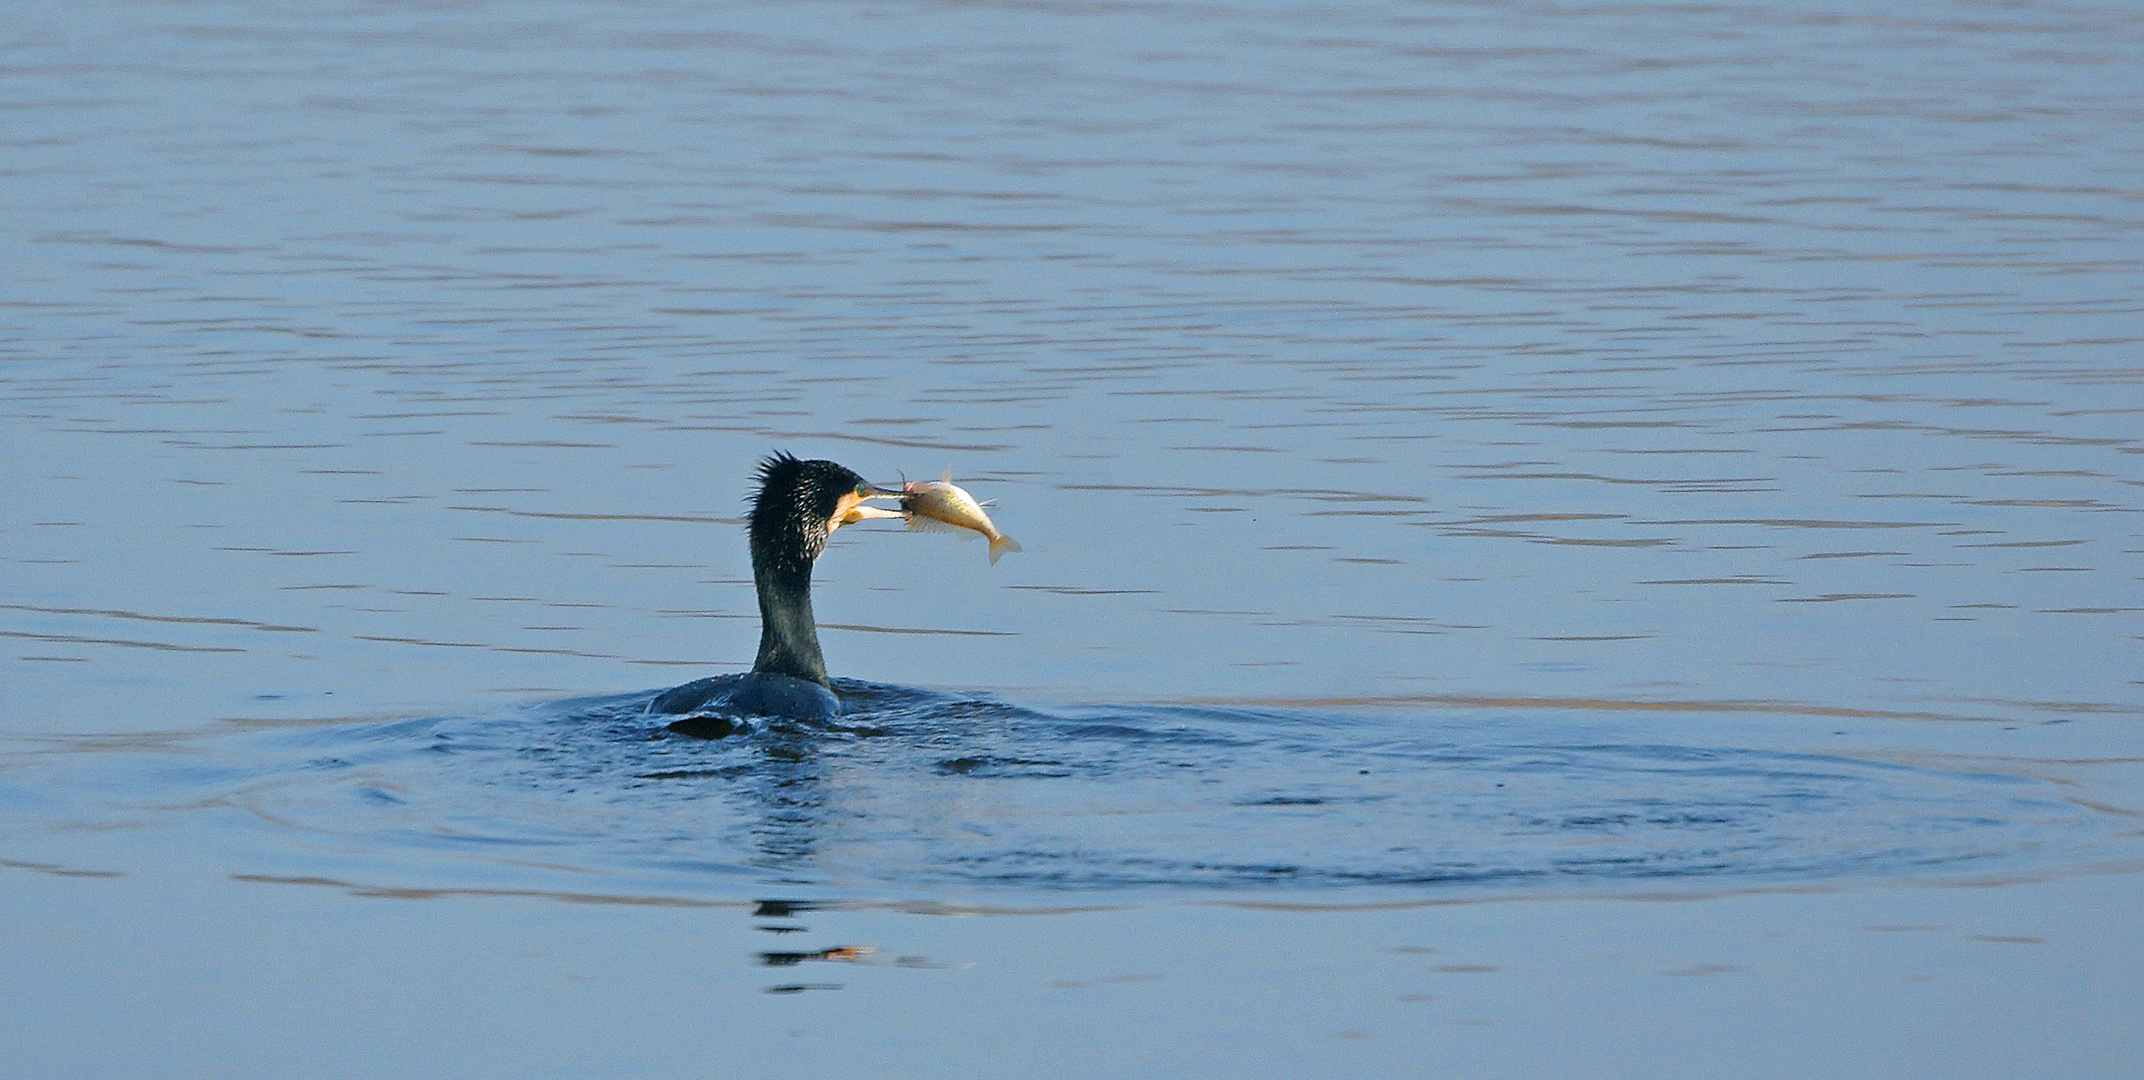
<point x="918" y="790"/>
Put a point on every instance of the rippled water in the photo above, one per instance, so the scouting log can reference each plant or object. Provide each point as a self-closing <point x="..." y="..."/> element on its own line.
<point x="1459" y="449"/>
<point x="918" y="790"/>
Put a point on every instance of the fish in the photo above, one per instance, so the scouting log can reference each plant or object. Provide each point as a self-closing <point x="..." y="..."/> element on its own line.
<point x="943" y="505"/>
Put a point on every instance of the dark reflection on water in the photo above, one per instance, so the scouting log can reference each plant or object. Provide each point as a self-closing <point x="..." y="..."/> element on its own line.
<point x="921" y="790"/>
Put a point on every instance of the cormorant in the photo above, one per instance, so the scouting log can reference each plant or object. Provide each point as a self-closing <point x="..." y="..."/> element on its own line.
<point x="798" y="505"/>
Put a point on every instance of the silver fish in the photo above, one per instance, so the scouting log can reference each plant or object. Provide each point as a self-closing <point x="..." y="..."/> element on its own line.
<point x="942" y="505"/>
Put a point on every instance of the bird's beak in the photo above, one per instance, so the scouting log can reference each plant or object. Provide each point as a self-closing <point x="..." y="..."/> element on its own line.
<point x="853" y="508"/>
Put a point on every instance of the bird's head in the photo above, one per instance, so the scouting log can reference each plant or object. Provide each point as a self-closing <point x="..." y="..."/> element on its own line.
<point x="800" y="503"/>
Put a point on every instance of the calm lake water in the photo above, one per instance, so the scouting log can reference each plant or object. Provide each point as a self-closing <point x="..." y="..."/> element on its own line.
<point x="1482" y="469"/>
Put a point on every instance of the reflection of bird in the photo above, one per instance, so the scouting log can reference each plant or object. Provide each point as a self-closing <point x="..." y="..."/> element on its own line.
<point x="799" y="504"/>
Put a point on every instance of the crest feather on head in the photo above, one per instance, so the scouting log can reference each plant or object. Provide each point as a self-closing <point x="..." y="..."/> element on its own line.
<point x="791" y="508"/>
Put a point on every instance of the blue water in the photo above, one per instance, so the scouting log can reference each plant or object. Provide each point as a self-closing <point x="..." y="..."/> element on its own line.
<point x="1462" y="452"/>
<point x="914" y="793"/>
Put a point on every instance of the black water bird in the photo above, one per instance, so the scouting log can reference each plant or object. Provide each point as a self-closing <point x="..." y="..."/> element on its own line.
<point x="798" y="505"/>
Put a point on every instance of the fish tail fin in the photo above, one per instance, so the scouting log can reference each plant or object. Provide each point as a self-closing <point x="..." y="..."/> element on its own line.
<point x="1001" y="544"/>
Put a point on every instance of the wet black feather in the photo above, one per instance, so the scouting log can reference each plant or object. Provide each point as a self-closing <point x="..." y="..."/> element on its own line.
<point x="790" y="519"/>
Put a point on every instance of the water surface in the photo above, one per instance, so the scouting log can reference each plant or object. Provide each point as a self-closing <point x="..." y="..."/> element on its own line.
<point x="1715" y="425"/>
<point x="914" y="792"/>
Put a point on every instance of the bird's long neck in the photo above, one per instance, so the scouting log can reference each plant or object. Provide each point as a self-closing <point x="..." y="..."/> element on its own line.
<point x="788" y="638"/>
